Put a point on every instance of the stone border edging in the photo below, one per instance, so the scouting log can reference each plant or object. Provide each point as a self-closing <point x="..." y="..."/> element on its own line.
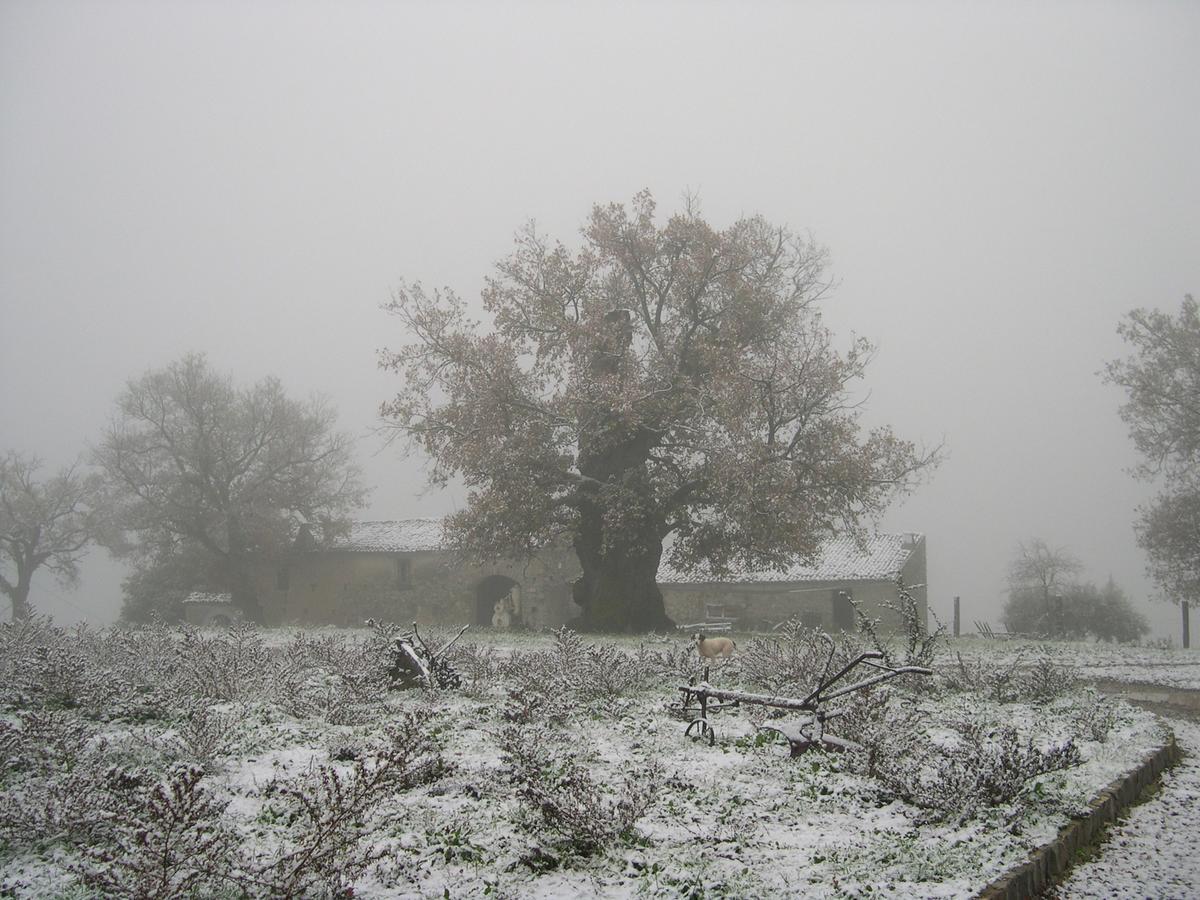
<point x="1045" y="863"/>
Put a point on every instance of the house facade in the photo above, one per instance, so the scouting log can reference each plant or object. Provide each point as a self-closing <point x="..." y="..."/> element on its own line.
<point x="847" y="574"/>
<point x="400" y="571"/>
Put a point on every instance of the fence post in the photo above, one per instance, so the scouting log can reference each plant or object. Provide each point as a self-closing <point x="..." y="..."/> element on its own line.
<point x="957" y="618"/>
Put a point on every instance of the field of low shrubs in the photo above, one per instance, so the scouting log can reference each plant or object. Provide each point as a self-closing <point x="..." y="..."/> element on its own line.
<point x="164" y="762"/>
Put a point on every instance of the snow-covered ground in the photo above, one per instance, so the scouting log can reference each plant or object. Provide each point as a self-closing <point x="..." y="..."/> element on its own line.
<point x="1154" y="851"/>
<point x="1118" y="662"/>
<point x="286" y="729"/>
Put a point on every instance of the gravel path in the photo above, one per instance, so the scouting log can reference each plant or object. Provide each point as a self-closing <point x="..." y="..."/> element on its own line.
<point x="1155" y="851"/>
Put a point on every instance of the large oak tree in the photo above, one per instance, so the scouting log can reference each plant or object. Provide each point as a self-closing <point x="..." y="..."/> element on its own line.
<point x="45" y="523"/>
<point x="662" y="386"/>
<point x="202" y="468"/>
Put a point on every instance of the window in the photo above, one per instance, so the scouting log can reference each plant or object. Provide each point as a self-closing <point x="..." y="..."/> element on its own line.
<point x="403" y="572"/>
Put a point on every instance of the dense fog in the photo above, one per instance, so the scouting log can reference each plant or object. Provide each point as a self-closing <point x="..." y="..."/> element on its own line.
<point x="997" y="186"/>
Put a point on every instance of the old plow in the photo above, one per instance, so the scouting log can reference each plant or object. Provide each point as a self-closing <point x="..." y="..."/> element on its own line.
<point x="808" y="731"/>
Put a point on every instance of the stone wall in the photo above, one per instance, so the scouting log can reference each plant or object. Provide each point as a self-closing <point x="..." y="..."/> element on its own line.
<point x="429" y="587"/>
<point x="760" y="605"/>
<point x="435" y="587"/>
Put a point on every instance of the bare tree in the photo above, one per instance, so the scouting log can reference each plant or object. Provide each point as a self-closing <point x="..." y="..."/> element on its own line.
<point x="663" y="382"/>
<point x="1040" y="572"/>
<point x="44" y="524"/>
<point x="197" y="464"/>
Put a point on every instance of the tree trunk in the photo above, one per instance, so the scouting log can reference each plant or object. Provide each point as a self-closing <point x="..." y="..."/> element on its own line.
<point x="241" y="586"/>
<point x="18" y="593"/>
<point x="20" y="602"/>
<point x="245" y="598"/>
<point x="618" y="591"/>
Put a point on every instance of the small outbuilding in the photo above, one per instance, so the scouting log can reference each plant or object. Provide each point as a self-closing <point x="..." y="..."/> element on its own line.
<point x="210" y="610"/>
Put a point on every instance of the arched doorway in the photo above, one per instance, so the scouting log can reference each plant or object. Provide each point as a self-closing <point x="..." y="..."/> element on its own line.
<point x="490" y="591"/>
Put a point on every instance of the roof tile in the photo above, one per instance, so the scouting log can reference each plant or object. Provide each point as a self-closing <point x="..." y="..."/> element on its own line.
<point x="202" y="597"/>
<point x="393" y="536"/>
<point x="841" y="559"/>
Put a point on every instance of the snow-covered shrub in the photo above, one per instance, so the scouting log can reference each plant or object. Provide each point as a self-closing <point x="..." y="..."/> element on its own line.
<point x="478" y="665"/>
<point x="880" y="723"/>
<point x="588" y="814"/>
<point x="10" y="749"/>
<point x="573" y="670"/>
<point x="66" y="780"/>
<point x="326" y="677"/>
<point x="43" y="740"/>
<point x="1010" y="682"/>
<point x="796" y="659"/>
<point x="76" y="802"/>
<point x="1093" y="716"/>
<point x="669" y="660"/>
<point x="228" y="665"/>
<point x="206" y="734"/>
<point x="530" y="700"/>
<point x="328" y="813"/>
<point x="980" y="766"/>
<point x="167" y="841"/>
<point x="913" y="643"/>
<point x="42" y="665"/>
<point x="142" y="665"/>
<point x="18" y="643"/>
<point x="1001" y="683"/>
<point x="354" y="663"/>
<point x="1046" y="680"/>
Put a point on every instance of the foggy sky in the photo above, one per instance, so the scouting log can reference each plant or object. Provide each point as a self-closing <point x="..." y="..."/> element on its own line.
<point x="997" y="184"/>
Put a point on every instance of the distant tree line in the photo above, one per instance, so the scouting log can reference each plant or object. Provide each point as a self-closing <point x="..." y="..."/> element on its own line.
<point x="194" y="478"/>
<point x="204" y="476"/>
<point x="1045" y="599"/>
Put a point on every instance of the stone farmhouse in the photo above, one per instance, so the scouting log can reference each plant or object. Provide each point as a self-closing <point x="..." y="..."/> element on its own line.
<point x="400" y="571"/>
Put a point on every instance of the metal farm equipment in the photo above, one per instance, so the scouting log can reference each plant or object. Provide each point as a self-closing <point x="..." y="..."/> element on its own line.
<point x="416" y="664"/>
<point x="808" y="731"/>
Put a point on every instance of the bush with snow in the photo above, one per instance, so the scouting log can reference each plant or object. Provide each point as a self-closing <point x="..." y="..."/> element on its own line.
<point x="164" y="761"/>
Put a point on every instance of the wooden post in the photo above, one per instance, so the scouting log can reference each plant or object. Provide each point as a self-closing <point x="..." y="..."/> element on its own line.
<point x="957" y="617"/>
<point x="1187" y="638"/>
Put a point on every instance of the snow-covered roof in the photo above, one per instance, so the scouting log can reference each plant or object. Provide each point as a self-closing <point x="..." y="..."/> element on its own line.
<point x="393" y="536"/>
<point x="841" y="559"/>
<point x="202" y="597"/>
